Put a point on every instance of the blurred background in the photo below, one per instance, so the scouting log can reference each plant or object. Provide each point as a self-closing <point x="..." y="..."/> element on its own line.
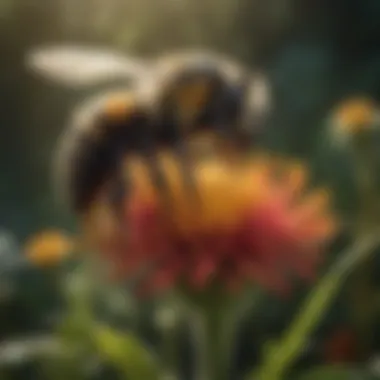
<point x="315" y="53"/>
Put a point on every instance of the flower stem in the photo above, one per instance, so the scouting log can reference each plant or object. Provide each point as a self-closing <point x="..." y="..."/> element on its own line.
<point x="168" y="321"/>
<point x="362" y="291"/>
<point x="214" y="317"/>
<point x="287" y="350"/>
<point x="170" y="355"/>
<point x="213" y="343"/>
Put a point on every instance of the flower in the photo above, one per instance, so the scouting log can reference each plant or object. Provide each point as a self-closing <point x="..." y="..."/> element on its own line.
<point x="355" y="116"/>
<point x="252" y="220"/>
<point x="48" y="248"/>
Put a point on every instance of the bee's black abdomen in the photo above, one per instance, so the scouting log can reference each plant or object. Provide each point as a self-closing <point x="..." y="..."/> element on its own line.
<point x="93" y="148"/>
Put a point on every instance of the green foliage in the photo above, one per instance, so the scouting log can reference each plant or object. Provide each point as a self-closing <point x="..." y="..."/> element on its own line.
<point x="80" y="331"/>
<point x="281" y="355"/>
<point x="125" y="352"/>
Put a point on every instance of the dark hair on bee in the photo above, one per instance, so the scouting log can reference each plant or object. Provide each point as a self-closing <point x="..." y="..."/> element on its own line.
<point x="91" y="149"/>
<point x="203" y="90"/>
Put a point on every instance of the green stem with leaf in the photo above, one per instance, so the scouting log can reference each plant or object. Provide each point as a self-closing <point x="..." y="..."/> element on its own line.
<point x="362" y="291"/>
<point x="282" y="355"/>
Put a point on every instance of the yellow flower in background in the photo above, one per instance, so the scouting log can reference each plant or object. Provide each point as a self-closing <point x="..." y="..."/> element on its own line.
<point x="355" y="115"/>
<point x="48" y="248"/>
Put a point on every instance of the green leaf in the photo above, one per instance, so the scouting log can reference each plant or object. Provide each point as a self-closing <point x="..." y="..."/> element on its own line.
<point x="126" y="352"/>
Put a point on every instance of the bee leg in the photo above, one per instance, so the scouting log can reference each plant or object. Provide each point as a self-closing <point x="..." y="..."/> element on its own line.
<point x="157" y="174"/>
<point x="229" y="110"/>
<point x="184" y="160"/>
<point x="117" y="194"/>
<point x="119" y="184"/>
<point x="182" y="154"/>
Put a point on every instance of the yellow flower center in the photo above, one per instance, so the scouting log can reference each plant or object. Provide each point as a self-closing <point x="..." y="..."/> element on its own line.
<point x="224" y="192"/>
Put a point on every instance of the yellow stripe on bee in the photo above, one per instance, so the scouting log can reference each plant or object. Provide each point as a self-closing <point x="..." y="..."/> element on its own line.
<point x="120" y="106"/>
<point x="191" y="97"/>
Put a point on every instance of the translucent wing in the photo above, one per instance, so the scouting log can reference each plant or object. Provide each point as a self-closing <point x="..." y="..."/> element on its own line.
<point x="76" y="66"/>
<point x="259" y="97"/>
<point x="258" y="104"/>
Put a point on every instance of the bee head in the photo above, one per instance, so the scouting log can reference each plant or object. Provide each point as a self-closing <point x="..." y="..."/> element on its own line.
<point x="201" y="93"/>
<point x="189" y="91"/>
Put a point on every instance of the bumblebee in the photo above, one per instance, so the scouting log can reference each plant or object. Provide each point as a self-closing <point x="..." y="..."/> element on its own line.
<point x="168" y="100"/>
